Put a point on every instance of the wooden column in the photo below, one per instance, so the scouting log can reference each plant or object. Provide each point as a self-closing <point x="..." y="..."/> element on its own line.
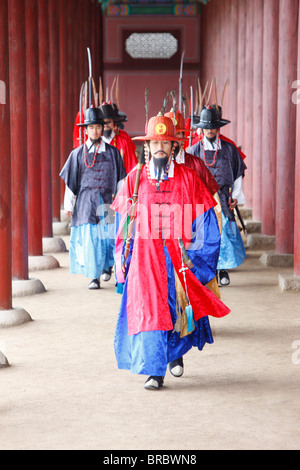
<point x="297" y="168"/>
<point x="17" y="78"/>
<point x="45" y="118"/>
<point x="64" y="148"/>
<point x="35" y="246"/>
<point x="53" y="12"/>
<point x="269" y="113"/>
<point x="248" y="97"/>
<point x="257" y="109"/>
<point x="232" y="86"/>
<point x="241" y="74"/>
<point x="286" y="131"/>
<point x="5" y="167"/>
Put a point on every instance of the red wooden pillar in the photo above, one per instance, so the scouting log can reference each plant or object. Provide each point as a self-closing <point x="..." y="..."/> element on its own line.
<point x="17" y="78"/>
<point x="45" y="118"/>
<point x="232" y="86"/>
<point x="70" y="115"/>
<point x="286" y="131"/>
<point x="64" y="150"/>
<point x="269" y="114"/>
<point x="53" y="11"/>
<point x="76" y="71"/>
<point x="257" y="109"/>
<point x="248" y="97"/>
<point x="35" y="246"/>
<point x="5" y="167"/>
<point x="297" y="170"/>
<point x="241" y="74"/>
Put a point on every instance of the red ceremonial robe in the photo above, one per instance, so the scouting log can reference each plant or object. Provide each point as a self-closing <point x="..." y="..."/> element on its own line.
<point x="147" y="284"/>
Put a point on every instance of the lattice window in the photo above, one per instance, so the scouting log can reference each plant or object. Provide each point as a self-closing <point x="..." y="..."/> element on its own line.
<point x="151" y="45"/>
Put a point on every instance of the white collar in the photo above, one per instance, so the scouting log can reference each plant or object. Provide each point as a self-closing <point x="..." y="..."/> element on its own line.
<point x="208" y="145"/>
<point x="152" y="170"/>
<point x="180" y="157"/>
<point x="92" y="149"/>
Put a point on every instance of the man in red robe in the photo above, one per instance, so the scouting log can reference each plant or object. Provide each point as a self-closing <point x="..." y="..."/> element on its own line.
<point x="172" y="256"/>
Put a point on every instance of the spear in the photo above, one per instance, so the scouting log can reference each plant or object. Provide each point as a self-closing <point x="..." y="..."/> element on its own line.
<point x="100" y="91"/>
<point x="132" y="211"/>
<point x="90" y="76"/>
<point x="147" y="106"/>
<point x="95" y="93"/>
<point x="180" y="84"/>
<point x="192" y="116"/>
<point x="80" y="113"/>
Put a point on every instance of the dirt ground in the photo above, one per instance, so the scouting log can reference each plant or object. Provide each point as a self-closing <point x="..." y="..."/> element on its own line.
<point x="63" y="389"/>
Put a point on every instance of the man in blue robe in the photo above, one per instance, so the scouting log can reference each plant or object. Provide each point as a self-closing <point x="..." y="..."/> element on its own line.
<point x="165" y="304"/>
<point x="93" y="174"/>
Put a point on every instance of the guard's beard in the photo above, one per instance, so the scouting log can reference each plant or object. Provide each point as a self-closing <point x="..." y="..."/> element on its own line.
<point x="160" y="166"/>
<point x="107" y="133"/>
<point x="96" y="141"/>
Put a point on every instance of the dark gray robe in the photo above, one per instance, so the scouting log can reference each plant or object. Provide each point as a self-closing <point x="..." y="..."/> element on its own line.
<point x="92" y="186"/>
<point x="228" y="167"/>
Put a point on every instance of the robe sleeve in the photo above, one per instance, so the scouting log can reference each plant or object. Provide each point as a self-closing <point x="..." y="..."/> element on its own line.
<point x="70" y="171"/>
<point x="205" y="246"/>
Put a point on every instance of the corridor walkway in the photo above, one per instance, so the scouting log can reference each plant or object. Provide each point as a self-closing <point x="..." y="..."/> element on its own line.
<point x="63" y="389"/>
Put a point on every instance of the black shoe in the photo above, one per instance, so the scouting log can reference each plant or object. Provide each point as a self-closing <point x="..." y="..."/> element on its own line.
<point x="224" y="277"/>
<point x="106" y="275"/>
<point x="176" y="367"/>
<point x="94" y="284"/>
<point x="154" y="382"/>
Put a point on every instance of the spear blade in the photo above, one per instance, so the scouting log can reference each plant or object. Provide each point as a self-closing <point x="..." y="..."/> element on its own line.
<point x="180" y="83"/>
<point x="90" y="76"/>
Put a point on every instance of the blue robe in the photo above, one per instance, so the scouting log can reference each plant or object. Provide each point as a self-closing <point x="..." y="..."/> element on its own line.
<point x="229" y="166"/>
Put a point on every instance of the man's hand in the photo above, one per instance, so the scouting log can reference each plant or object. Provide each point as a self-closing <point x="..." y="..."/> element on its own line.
<point x="69" y="213"/>
<point x="233" y="204"/>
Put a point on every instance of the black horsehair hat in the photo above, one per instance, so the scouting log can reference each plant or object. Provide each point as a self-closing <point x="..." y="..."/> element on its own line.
<point x="92" y="116"/>
<point x="210" y="118"/>
<point x="110" y="111"/>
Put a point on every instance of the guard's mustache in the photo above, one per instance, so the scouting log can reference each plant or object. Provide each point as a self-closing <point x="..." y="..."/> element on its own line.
<point x="161" y="151"/>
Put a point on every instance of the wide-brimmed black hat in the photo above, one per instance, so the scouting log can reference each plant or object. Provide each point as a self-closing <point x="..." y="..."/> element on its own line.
<point x="92" y="116"/>
<point x="210" y="119"/>
<point x="108" y="111"/>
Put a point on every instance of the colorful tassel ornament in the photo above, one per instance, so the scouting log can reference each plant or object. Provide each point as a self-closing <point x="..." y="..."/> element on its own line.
<point x="189" y="317"/>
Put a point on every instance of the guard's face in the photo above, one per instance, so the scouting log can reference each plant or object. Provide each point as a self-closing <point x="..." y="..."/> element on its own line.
<point x="108" y="124"/>
<point x="94" y="131"/>
<point x="160" y="148"/>
<point x="210" y="133"/>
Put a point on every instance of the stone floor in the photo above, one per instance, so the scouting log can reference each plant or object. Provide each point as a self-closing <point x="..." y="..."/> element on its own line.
<point x="63" y="390"/>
